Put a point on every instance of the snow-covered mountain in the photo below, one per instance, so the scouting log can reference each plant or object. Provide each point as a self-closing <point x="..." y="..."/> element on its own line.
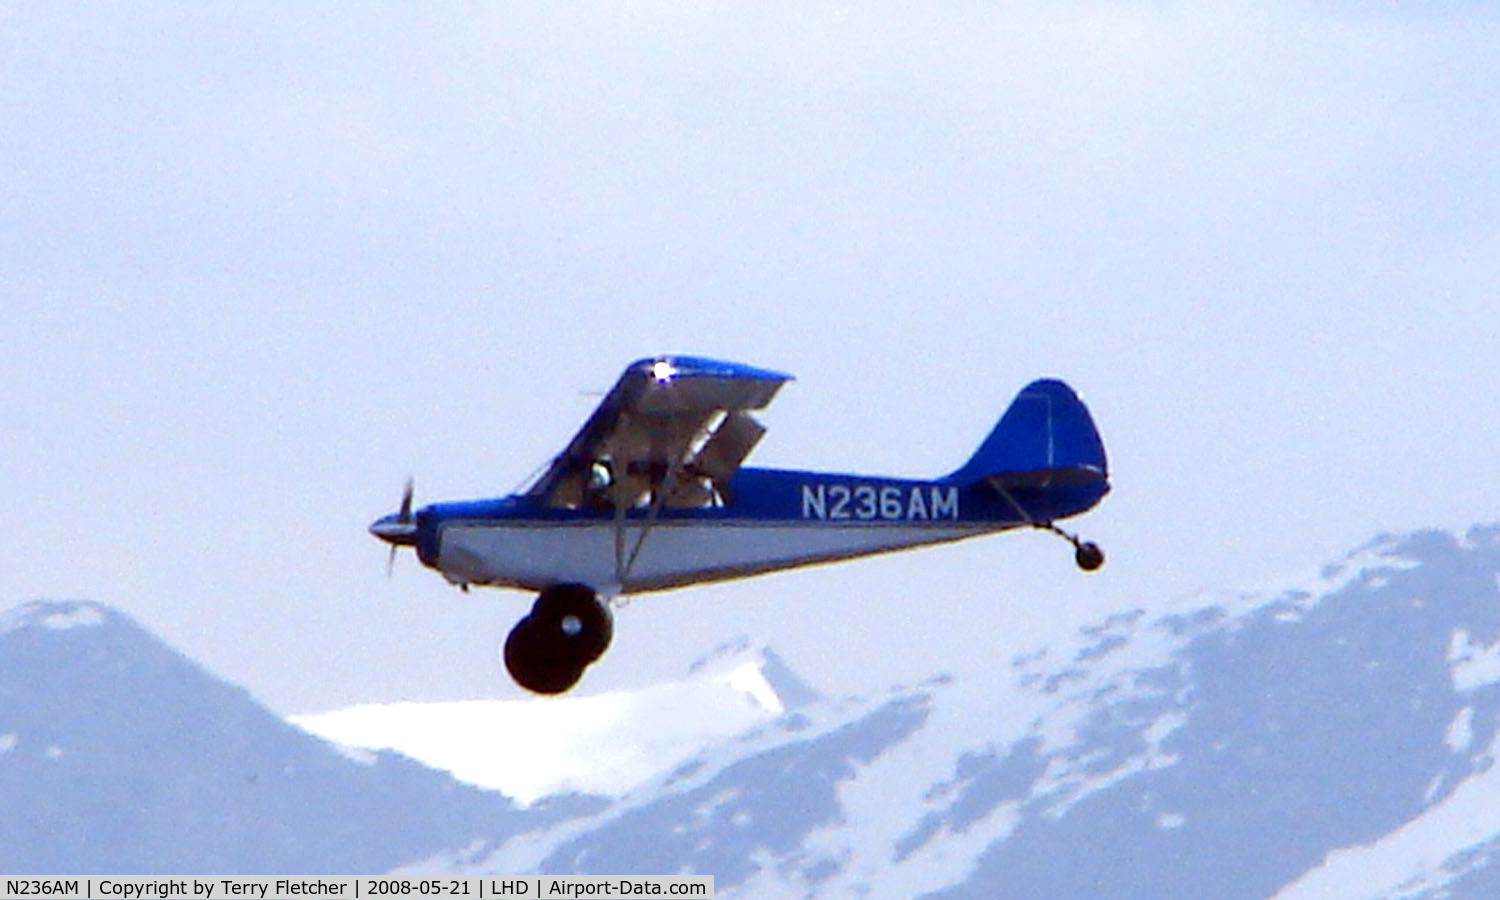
<point x="603" y="745"/>
<point x="120" y="756"/>
<point x="1333" y="736"/>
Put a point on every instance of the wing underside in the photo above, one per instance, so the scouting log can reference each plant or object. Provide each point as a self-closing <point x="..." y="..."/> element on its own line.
<point x="673" y="430"/>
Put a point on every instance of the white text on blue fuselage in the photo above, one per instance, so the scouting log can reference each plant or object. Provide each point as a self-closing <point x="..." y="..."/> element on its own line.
<point x="867" y="502"/>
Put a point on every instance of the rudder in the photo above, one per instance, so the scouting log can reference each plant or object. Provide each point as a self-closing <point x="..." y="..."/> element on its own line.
<point x="1045" y="435"/>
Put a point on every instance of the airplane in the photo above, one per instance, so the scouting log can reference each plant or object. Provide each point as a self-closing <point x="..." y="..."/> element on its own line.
<point x="652" y="494"/>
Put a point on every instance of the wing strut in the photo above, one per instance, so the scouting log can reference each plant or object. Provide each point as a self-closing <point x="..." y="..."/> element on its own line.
<point x="660" y="488"/>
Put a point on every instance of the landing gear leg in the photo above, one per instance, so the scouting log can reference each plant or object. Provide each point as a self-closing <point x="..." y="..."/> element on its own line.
<point x="1087" y="554"/>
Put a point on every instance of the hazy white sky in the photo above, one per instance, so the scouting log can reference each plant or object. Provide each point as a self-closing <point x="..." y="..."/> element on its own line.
<point x="257" y="265"/>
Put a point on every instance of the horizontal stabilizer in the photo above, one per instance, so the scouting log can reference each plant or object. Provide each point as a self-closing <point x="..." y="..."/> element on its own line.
<point x="1066" y="475"/>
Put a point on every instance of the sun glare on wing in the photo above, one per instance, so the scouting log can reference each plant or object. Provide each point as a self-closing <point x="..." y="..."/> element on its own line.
<point x="663" y="371"/>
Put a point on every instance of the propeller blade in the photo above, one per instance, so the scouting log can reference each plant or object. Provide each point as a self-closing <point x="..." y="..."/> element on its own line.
<point x="390" y="563"/>
<point x="405" y="514"/>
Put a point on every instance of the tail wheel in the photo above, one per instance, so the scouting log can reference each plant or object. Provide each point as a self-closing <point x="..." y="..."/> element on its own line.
<point x="1088" y="556"/>
<point x="566" y="630"/>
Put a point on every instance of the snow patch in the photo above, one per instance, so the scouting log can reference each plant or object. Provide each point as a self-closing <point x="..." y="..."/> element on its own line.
<point x="1477" y="537"/>
<point x="1461" y="731"/>
<point x="1374" y="563"/>
<point x="356" y="754"/>
<point x="58" y="615"/>
<point x="1411" y="858"/>
<point x="604" y="744"/>
<point x="1433" y="787"/>
<point x="750" y="681"/>
<point x="1073" y="778"/>
<point x="83" y="615"/>
<point x="1472" y="664"/>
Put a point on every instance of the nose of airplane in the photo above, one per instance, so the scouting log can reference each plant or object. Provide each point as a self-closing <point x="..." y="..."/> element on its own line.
<point x="395" y="529"/>
<point x="399" y="529"/>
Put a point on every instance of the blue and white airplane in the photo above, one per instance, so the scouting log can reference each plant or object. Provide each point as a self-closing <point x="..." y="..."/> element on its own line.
<point x="652" y="494"/>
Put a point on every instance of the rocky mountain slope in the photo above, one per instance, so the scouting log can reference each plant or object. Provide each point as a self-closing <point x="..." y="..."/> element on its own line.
<point x="120" y="756"/>
<point x="1235" y="745"/>
<point x="1331" y="736"/>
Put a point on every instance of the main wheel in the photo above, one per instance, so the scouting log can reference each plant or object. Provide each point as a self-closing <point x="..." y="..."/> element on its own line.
<point x="566" y="630"/>
<point x="577" y="621"/>
<point x="534" y="662"/>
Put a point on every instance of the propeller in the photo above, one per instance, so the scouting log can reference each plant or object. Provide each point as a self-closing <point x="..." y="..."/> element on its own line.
<point x="398" y="529"/>
<point x="404" y="518"/>
<point x="405" y="514"/>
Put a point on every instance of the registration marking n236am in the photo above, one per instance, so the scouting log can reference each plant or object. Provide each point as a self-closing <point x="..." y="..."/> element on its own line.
<point x="890" y="502"/>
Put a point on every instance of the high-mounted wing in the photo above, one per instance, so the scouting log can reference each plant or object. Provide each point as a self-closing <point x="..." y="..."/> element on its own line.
<point x="673" y="429"/>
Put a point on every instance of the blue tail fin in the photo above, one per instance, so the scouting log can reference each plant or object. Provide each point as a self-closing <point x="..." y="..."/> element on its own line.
<point x="1046" y="436"/>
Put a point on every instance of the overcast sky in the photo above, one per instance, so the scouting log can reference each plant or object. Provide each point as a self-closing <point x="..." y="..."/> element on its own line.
<point x="259" y="264"/>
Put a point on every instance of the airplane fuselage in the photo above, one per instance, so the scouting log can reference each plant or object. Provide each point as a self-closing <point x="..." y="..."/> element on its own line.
<point x="767" y="519"/>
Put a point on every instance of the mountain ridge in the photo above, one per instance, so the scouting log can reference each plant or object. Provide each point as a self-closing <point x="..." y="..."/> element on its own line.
<point x="131" y="759"/>
<point x="1230" y="742"/>
<point x="1334" y="735"/>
